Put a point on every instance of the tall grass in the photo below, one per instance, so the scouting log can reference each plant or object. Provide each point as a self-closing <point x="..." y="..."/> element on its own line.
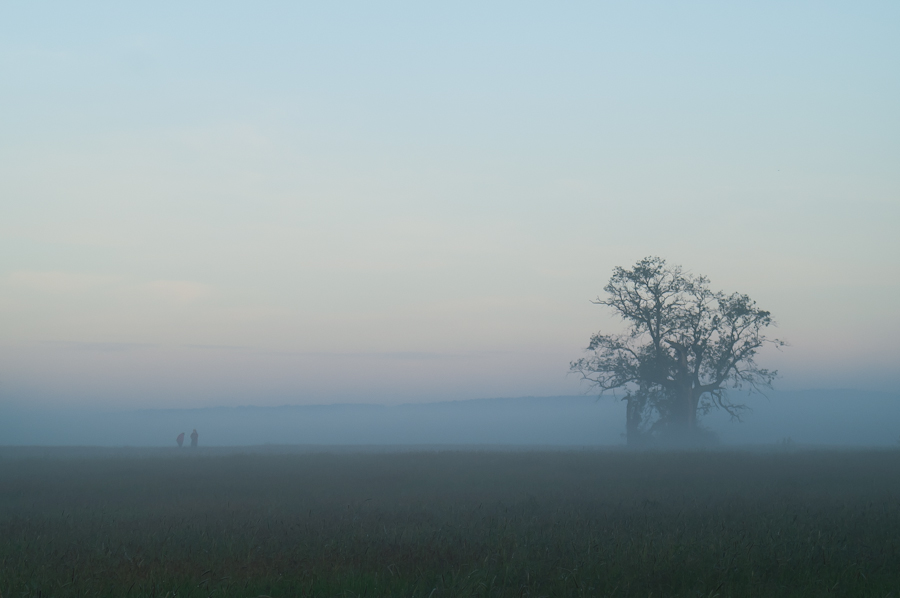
<point x="451" y="524"/>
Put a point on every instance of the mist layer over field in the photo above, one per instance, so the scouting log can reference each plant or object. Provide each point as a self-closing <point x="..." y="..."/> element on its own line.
<point x="821" y="418"/>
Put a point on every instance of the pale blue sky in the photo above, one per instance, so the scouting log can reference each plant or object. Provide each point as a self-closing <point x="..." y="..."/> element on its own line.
<point x="236" y="204"/>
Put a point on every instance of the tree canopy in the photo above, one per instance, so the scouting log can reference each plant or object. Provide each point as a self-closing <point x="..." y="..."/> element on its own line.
<point x="685" y="346"/>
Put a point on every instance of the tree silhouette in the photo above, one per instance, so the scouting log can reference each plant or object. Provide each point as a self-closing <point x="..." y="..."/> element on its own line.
<point x="684" y="347"/>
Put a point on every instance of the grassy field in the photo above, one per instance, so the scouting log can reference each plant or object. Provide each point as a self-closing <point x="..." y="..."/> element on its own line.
<point x="449" y="523"/>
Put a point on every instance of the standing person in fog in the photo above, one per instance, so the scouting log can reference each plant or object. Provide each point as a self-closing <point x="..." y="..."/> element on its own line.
<point x="180" y="439"/>
<point x="194" y="437"/>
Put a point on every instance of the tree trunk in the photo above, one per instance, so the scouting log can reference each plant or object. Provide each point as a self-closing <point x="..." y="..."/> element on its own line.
<point x="634" y="409"/>
<point x="691" y="412"/>
<point x="686" y="412"/>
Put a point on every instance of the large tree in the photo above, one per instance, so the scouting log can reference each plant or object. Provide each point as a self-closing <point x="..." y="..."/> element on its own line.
<point x="683" y="348"/>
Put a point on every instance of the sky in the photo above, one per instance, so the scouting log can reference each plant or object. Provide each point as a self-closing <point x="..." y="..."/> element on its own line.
<point x="298" y="203"/>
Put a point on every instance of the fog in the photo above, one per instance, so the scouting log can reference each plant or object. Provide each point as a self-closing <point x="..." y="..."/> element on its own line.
<point x="836" y="418"/>
<point x="316" y="298"/>
<point x="210" y="211"/>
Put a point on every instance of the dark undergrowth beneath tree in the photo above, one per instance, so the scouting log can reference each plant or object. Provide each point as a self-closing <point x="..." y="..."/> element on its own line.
<point x="436" y="524"/>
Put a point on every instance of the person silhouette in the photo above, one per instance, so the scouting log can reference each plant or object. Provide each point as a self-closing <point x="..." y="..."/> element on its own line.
<point x="180" y="439"/>
<point x="194" y="437"/>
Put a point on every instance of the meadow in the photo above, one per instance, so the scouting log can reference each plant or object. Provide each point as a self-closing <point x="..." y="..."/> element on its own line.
<point x="432" y="523"/>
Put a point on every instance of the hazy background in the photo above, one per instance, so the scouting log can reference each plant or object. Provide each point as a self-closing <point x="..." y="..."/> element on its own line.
<point x="225" y="204"/>
<point x="788" y="419"/>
